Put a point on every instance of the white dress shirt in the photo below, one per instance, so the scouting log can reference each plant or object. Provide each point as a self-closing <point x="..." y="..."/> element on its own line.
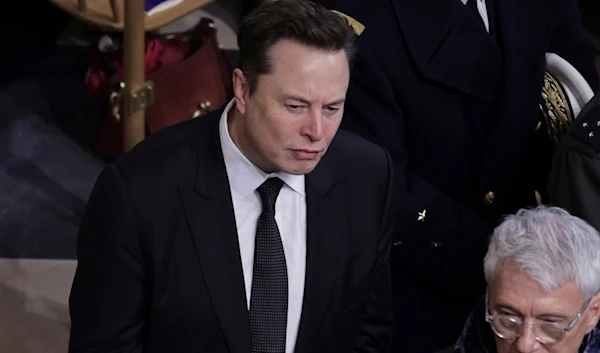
<point x="290" y="215"/>
<point x="482" y="9"/>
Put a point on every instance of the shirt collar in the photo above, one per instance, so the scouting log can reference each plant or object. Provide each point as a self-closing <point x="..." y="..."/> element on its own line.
<point x="244" y="176"/>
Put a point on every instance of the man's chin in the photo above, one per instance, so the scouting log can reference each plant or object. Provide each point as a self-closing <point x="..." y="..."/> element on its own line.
<point x="301" y="167"/>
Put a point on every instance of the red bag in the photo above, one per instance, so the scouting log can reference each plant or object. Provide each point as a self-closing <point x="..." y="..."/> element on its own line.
<point x="191" y="77"/>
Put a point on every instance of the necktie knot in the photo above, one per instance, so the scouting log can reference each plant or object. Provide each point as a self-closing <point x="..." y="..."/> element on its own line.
<point x="268" y="191"/>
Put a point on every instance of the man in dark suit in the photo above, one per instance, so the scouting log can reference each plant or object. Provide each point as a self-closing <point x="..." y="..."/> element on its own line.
<point x="451" y="89"/>
<point x="259" y="228"/>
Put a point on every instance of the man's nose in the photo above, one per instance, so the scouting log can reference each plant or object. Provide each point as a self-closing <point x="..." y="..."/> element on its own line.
<point x="527" y="343"/>
<point x="313" y="127"/>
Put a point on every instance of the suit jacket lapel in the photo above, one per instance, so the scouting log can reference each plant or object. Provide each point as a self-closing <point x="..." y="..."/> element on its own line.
<point x="450" y="47"/>
<point x="325" y="243"/>
<point x="206" y="198"/>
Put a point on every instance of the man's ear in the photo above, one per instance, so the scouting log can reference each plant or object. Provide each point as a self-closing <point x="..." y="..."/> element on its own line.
<point x="241" y="90"/>
<point x="593" y="313"/>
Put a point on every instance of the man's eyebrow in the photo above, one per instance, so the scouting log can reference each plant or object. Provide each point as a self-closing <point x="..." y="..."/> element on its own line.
<point x="507" y="307"/>
<point x="542" y="316"/>
<point x="337" y="102"/>
<point x="297" y="98"/>
<point x="306" y="101"/>
<point x="547" y="316"/>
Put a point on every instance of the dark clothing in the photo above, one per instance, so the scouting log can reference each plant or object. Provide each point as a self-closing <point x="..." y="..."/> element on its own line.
<point x="590" y="13"/>
<point x="456" y="108"/>
<point x="575" y="176"/>
<point x="159" y="262"/>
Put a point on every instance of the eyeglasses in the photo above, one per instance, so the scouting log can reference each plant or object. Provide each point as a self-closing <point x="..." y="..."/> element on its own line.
<point x="510" y="327"/>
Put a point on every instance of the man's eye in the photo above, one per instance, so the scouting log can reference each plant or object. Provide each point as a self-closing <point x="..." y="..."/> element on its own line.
<point x="552" y="321"/>
<point x="511" y="316"/>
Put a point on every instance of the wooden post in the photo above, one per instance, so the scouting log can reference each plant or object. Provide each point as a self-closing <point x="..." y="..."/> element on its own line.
<point x="117" y="11"/>
<point x="134" y="127"/>
<point x="82" y="5"/>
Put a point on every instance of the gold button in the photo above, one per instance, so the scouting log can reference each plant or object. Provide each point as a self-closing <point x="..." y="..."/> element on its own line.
<point x="398" y="243"/>
<point x="203" y="108"/>
<point x="489" y="198"/>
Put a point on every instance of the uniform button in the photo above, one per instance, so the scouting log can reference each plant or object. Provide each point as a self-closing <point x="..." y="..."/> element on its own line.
<point x="489" y="198"/>
<point x="436" y="244"/>
<point x="397" y="243"/>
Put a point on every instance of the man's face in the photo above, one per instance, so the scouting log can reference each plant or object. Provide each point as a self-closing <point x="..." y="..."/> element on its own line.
<point x="516" y="294"/>
<point x="290" y="119"/>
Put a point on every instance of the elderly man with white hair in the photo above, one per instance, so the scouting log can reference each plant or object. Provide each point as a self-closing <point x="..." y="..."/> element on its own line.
<point x="543" y="274"/>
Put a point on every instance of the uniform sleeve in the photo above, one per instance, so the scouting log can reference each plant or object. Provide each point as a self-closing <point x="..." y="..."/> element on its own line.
<point x="574" y="182"/>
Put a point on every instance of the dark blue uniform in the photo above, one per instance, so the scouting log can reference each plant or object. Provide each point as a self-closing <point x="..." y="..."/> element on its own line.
<point x="575" y="176"/>
<point x="456" y="107"/>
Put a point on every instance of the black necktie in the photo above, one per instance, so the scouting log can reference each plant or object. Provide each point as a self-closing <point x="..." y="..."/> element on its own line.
<point x="269" y="296"/>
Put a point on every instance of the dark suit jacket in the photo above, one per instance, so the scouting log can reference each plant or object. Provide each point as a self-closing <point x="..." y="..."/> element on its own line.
<point x="455" y="106"/>
<point x="159" y="264"/>
<point x="575" y="176"/>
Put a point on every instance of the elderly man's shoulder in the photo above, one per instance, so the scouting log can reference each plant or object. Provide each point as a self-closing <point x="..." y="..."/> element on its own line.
<point x="351" y="151"/>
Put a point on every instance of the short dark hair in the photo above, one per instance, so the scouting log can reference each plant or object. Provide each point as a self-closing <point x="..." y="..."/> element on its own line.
<point x="302" y="21"/>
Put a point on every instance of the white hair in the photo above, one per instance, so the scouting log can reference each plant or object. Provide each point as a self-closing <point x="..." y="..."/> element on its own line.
<point x="551" y="246"/>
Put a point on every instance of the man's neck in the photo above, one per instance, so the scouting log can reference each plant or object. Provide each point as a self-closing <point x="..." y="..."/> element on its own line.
<point x="235" y="126"/>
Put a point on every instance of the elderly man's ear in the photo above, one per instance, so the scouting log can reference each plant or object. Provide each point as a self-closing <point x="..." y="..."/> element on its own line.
<point x="593" y="313"/>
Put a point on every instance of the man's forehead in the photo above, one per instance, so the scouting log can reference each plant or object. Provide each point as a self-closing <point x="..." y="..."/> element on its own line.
<point x="288" y="49"/>
<point x="304" y="64"/>
<point x="515" y="288"/>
